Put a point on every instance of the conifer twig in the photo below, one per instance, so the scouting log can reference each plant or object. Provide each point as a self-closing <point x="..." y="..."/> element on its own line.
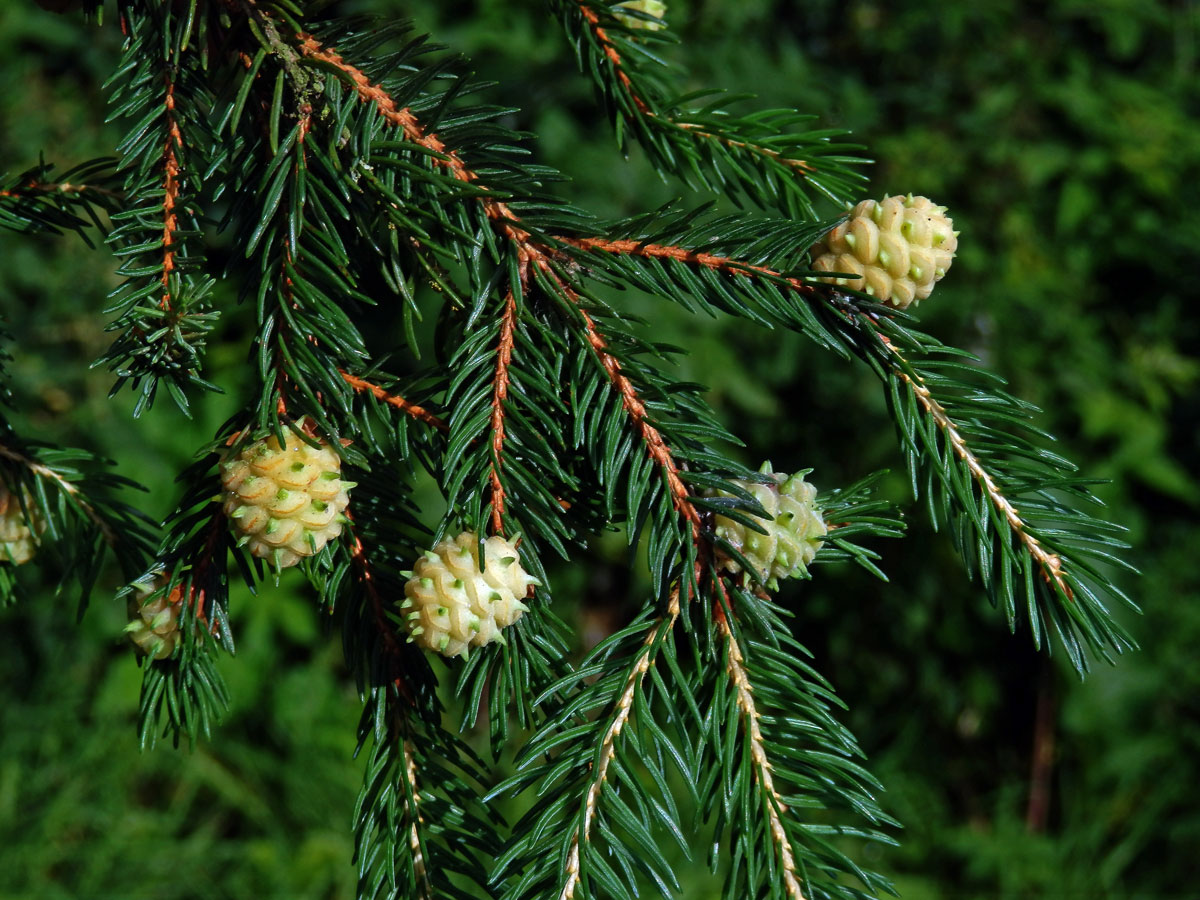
<point x="44" y="471"/>
<point x="1049" y="563"/>
<point x="621" y="712"/>
<point x="391" y="643"/>
<point x="716" y="262"/>
<point x="413" y="808"/>
<point x="499" y="394"/>
<point x="171" y="172"/>
<point x="644" y="108"/>
<point x="412" y="409"/>
<point x="614" y="57"/>
<point x="651" y="436"/>
<point x="51" y="187"/>
<point x="772" y="801"/>
<point x="404" y="119"/>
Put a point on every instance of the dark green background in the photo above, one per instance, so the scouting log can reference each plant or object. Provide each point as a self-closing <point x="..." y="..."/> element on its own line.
<point x="1064" y="138"/>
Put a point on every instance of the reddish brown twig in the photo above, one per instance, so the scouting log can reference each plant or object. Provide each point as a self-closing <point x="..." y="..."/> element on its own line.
<point x="402" y="117"/>
<point x="57" y="187"/>
<point x="499" y="394"/>
<point x="171" y="172"/>
<point x="724" y="264"/>
<point x="391" y="644"/>
<point x="412" y="409"/>
<point x="614" y="57"/>
<point x="651" y="436"/>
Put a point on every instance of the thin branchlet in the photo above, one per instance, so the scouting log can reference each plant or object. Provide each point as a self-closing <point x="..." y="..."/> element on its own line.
<point x="171" y="176"/>
<point x="718" y="263"/>
<point x="43" y="471"/>
<point x="651" y="436"/>
<point x="504" y="352"/>
<point x="735" y="667"/>
<point x="404" y="119"/>
<point x="412" y="409"/>
<point x="1050" y="563"/>
<point x="413" y="810"/>
<point x="619" y="715"/>
<point x="43" y="188"/>
<point x="647" y="110"/>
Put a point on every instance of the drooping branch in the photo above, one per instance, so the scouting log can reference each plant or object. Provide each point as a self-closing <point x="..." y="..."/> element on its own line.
<point x="535" y="251"/>
<point x="1049" y="563"/>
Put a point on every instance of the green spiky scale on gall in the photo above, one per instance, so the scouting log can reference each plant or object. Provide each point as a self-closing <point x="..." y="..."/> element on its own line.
<point x="286" y="503"/>
<point x="794" y="529"/>
<point x="457" y="603"/>
<point x="18" y="527"/>
<point x="655" y="8"/>
<point x="898" y="249"/>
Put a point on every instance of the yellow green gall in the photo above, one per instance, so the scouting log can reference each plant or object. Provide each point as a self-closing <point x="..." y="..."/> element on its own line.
<point x="454" y="601"/>
<point x="154" y="624"/>
<point x="20" y="524"/>
<point x="794" y="528"/>
<point x="285" y="502"/>
<point x="655" y="8"/>
<point x="895" y="250"/>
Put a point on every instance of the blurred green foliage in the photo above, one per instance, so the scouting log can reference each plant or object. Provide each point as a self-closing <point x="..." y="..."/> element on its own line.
<point x="1064" y="137"/>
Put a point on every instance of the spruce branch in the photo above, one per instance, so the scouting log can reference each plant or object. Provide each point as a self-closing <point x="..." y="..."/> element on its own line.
<point x="162" y="308"/>
<point x="545" y="415"/>
<point x="394" y="400"/>
<point x="616" y="719"/>
<point x="772" y="802"/>
<point x="67" y="486"/>
<point x="852" y="326"/>
<point x="38" y="201"/>
<point x="499" y="395"/>
<point x="765" y="156"/>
